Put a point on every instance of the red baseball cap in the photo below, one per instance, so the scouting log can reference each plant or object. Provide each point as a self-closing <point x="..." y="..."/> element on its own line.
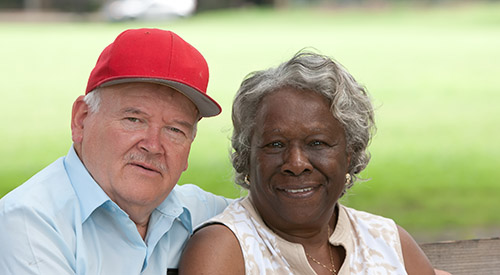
<point x="157" y="56"/>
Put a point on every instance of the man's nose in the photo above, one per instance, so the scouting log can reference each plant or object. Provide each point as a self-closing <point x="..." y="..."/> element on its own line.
<point x="151" y="141"/>
<point x="296" y="161"/>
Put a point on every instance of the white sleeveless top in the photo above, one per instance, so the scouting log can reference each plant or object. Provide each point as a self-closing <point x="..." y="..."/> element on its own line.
<point x="371" y="243"/>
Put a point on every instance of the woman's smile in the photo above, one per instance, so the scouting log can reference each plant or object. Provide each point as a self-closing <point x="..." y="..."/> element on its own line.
<point x="298" y="188"/>
<point x="298" y="193"/>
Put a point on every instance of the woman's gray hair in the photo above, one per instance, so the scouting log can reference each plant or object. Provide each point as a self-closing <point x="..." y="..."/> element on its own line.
<point x="93" y="100"/>
<point x="350" y="104"/>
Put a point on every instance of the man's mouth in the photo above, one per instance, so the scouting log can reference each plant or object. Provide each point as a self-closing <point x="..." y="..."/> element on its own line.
<point x="146" y="167"/>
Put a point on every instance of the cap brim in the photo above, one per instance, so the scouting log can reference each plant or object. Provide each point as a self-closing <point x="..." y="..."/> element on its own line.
<point x="205" y="104"/>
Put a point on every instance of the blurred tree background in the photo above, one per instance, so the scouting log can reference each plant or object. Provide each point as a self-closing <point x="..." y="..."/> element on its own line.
<point x="85" y="6"/>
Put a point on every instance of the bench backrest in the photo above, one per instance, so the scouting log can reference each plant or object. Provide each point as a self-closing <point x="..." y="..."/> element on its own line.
<point x="481" y="256"/>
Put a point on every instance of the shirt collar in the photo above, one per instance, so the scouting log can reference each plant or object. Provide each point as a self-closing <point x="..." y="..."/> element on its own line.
<point x="176" y="208"/>
<point x="91" y="196"/>
<point x="89" y="193"/>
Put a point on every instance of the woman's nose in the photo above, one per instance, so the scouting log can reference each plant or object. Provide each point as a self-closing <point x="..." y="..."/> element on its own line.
<point x="296" y="161"/>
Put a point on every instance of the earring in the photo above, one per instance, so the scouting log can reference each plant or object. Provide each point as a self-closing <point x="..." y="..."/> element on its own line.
<point x="247" y="182"/>
<point x="347" y="179"/>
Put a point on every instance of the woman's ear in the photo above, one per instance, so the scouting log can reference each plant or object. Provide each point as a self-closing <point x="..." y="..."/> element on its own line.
<point x="79" y="113"/>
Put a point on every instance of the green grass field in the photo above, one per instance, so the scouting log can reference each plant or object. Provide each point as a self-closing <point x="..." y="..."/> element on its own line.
<point x="434" y="74"/>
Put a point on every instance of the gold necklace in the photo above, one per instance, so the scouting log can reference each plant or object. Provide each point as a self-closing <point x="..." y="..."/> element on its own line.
<point x="332" y="270"/>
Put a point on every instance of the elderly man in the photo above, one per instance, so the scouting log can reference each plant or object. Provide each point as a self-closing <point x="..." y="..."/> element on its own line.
<point x="112" y="206"/>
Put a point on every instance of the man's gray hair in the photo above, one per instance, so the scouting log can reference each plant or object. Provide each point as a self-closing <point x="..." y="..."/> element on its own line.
<point x="93" y="100"/>
<point x="307" y="71"/>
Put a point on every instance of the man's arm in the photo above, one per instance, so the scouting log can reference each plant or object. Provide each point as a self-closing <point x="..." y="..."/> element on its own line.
<point x="31" y="245"/>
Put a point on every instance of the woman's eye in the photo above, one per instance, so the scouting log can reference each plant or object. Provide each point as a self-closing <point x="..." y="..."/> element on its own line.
<point x="275" y="144"/>
<point x="317" y="143"/>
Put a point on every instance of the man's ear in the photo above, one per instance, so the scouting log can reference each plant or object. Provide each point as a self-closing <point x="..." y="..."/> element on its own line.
<point x="79" y="113"/>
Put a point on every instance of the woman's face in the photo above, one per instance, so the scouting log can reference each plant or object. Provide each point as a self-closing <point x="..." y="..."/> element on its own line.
<point x="298" y="160"/>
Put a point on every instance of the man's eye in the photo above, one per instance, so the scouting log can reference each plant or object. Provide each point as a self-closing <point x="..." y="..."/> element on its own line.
<point x="175" y="130"/>
<point x="133" y="119"/>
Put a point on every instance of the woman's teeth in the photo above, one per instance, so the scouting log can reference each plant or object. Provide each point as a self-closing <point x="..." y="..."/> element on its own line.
<point x="301" y="190"/>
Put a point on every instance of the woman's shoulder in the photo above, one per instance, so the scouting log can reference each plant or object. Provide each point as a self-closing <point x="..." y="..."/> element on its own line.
<point x="384" y="234"/>
<point x="213" y="249"/>
<point x="366" y="217"/>
<point x="214" y="231"/>
<point x="234" y="213"/>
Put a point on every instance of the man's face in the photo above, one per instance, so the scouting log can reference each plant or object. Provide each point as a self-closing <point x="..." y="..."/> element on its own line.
<point x="136" y="145"/>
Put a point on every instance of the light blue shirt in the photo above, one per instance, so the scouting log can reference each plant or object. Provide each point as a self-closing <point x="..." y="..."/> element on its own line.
<point x="61" y="222"/>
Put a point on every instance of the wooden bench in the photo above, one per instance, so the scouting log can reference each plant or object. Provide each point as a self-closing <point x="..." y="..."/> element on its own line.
<point x="480" y="256"/>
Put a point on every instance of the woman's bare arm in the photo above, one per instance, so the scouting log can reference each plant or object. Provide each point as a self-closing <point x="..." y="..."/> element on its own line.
<point x="416" y="262"/>
<point x="212" y="250"/>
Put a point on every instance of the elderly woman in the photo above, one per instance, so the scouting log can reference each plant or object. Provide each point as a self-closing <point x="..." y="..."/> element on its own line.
<point x="300" y="137"/>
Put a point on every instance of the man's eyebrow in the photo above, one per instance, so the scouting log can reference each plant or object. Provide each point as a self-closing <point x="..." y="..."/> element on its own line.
<point x="184" y="123"/>
<point x="136" y="111"/>
<point x="133" y="110"/>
